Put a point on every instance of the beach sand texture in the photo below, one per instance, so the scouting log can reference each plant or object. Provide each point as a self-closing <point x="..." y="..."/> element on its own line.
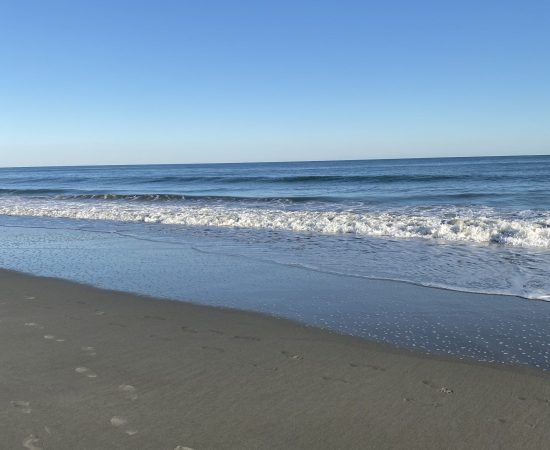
<point x="83" y="368"/>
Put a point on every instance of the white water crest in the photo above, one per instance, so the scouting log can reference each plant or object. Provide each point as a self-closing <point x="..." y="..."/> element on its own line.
<point x="481" y="226"/>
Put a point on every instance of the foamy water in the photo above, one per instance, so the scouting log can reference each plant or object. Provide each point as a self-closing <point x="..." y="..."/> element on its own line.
<point x="483" y="226"/>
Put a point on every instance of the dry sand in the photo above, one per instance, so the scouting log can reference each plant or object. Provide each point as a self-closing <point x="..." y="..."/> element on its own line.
<point x="83" y="368"/>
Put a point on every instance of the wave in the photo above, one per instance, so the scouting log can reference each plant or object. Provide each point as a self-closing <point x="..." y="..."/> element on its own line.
<point x="480" y="227"/>
<point x="166" y="197"/>
<point x="131" y="197"/>
<point x="367" y="198"/>
<point x="136" y="180"/>
<point x="289" y="179"/>
<point x="31" y="191"/>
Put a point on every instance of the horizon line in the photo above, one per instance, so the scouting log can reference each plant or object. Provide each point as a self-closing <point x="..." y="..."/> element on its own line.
<point x="273" y="162"/>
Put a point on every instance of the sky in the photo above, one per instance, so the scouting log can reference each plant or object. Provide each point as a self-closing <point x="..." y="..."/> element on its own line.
<point x="162" y="81"/>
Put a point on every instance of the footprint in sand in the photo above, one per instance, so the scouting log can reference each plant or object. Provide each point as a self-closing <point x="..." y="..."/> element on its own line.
<point x="118" y="422"/>
<point x="291" y="355"/>
<point x="31" y="442"/>
<point x="22" y="406"/>
<point x="51" y="337"/>
<point x="442" y="389"/>
<point x="90" y="351"/>
<point x="129" y="391"/>
<point x="85" y="371"/>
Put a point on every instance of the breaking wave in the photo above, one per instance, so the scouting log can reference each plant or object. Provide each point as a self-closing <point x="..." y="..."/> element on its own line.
<point x="459" y="225"/>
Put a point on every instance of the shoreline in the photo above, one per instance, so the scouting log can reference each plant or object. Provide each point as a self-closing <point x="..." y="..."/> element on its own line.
<point x="384" y="346"/>
<point x="361" y="340"/>
<point x="84" y="367"/>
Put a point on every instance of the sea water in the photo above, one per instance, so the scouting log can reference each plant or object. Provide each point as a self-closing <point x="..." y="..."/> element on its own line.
<point x="470" y="224"/>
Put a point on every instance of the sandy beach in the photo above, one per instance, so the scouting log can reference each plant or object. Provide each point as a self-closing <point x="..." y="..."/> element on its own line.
<point x="93" y="369"/>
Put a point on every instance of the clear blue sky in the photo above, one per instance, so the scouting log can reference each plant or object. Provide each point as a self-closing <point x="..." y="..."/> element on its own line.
<point x="107" y="81"/>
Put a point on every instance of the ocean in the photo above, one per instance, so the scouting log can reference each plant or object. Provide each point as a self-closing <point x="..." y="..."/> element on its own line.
<point x="472" y="224"/>
<point x="307" y="240"/>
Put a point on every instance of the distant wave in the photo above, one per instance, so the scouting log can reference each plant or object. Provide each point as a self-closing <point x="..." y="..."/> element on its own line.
<point x="304" y="179"/>
<point x="31" y="191"/>
<point x="165" y="197"/>
<point x="137" y="197"/>
<point x="71" y="194"/>
<point x="371" y="199"/>
<point x="181" y="180"/>
<point x="444" y="225"/>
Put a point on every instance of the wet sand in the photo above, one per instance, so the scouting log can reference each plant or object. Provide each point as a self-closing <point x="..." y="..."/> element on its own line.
<point x="92" y="369"/>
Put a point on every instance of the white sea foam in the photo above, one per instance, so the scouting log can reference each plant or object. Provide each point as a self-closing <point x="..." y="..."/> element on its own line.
<point x="483" y="226"/>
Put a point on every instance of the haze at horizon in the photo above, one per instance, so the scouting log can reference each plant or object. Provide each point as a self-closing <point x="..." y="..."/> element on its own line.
<point x="182" y="82"/>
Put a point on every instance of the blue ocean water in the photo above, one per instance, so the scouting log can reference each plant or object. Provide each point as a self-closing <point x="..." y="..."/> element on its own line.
<point x="511" y="183"/>
<point x="471" y="224"/>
